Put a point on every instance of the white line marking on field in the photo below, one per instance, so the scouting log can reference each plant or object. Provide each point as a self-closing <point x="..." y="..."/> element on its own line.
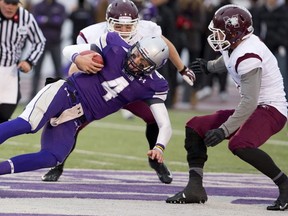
<point x="175" y="131"/>
<point x="128" y="127"/>
<point x="98" y="162"/>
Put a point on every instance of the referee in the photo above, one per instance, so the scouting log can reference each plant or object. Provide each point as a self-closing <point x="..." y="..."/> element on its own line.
<point x="17" y="26"/>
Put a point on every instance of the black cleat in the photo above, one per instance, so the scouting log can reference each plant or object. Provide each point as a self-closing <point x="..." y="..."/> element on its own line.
<point x="181" y="198"/>
<point x="53" y="174"/>
<point x="194" y="192"/>
<point x="278" y="206"/>
<point x="162" y="171"/>
<point x="281" y="204"/>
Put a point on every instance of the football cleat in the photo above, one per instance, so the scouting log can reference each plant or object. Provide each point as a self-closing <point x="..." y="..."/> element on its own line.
<point x="162" y="171"/>
<point x="281" y="203"/>
<point x="53" y="174"/>
<point x="194" y="192"/>
<point x="278" y="206"/>
<point x="181" y="198"/>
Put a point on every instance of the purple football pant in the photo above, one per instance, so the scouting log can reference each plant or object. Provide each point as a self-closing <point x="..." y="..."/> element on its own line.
<point x="56" y="142"/>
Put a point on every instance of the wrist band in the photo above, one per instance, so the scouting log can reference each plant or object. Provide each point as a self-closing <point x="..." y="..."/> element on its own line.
<point x="74" y="57"/>
<point x="181" y="71"/>
<point x="159" y="147"/>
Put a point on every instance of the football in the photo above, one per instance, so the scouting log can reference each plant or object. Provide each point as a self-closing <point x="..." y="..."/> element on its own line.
<point x="96" y="58"/>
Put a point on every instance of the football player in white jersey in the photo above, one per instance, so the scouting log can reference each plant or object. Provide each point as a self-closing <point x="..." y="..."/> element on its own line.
<point x="122" y="17"/>
<point x="261" y="112"/>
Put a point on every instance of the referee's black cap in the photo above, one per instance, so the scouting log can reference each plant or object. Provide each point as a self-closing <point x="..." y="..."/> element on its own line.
<point x="11" y="1"/>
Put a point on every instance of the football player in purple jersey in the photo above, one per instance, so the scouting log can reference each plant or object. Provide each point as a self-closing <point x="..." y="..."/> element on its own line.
<point x="62" y="107"/>
<point x="261" y="112"/>
<point x="122" y="16"/>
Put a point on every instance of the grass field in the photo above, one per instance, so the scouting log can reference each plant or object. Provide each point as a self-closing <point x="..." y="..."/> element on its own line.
<point x="119" y="144"/>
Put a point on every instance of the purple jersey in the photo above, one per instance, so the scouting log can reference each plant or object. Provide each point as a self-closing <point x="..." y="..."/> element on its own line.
<point x="109" y="90"/>
<point x="56" y="107"/>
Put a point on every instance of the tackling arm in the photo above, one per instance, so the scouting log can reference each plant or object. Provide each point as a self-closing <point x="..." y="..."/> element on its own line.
<point x="173" y="55"/>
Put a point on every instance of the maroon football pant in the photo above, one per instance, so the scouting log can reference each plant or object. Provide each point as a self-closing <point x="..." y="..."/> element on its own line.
<point x="256" y="130"/>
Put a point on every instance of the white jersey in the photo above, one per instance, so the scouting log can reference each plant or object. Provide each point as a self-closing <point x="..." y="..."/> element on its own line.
<point x="253" y="53"/>
<point x="92" y="33"/>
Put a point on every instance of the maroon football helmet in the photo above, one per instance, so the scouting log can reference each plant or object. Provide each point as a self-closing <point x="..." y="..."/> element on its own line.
<point x="230" y="24"/>
<point x="122" y="13"/>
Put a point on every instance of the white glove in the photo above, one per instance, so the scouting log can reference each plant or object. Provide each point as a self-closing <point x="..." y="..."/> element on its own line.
<point x="188" y="75"/>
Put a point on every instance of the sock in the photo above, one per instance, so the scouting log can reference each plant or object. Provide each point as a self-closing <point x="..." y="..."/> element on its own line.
<point x="28" y="162"/>
<point x="6" y="167"/>
<point x="195" y="172"/>
<point x="262" y="162"/>
<point x="280" y="178"/>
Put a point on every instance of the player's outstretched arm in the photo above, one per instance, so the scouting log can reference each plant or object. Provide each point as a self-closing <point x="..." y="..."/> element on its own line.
<point x="161" y="116"/>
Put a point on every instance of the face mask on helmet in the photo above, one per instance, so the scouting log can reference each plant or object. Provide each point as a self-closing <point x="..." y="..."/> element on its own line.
<point x="231" y="23"/>
<point x="122" y="17"/>
<point x="146" y="56"/>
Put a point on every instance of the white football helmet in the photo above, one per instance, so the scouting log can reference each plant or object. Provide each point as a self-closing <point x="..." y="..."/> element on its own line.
<point x="154" y="53"/>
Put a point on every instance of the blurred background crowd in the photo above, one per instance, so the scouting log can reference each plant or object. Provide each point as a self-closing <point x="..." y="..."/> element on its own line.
<point x="183" y="22"/>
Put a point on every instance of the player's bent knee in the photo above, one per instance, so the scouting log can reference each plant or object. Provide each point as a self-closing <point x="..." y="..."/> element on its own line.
<point x="194" y="122"/>
<point x="47" y="159"/>
<point x="239" y="142"/>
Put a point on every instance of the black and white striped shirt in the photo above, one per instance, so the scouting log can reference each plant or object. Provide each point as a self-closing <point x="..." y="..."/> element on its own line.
<point x="13" y="35"/>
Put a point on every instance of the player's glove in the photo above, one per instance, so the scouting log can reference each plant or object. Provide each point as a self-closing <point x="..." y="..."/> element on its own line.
<point x="214" y="137"/>
<point x="199" y="66"/>
<point x="188" y="75"/>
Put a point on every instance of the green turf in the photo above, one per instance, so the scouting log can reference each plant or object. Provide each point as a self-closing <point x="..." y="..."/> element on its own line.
<point x="116" y="143"/>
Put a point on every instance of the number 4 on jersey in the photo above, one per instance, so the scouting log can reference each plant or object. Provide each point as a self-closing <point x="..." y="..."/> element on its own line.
<point x="113" y="87"/>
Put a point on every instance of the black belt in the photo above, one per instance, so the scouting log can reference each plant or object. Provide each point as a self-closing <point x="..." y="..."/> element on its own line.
<point x="73" y="95"/>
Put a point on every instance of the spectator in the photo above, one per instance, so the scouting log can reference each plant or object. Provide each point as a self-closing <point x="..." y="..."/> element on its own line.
<point x="50" y="16"/>
<point x="166" y="19"/>
<point x="271" y="24"/>
<point x="17" y="26"/>
<point x="208" y="82"/>
<point x="147" y="11"/>
<point x="191" y="26"/>
<point x="81" y="17"/>
<point x="101" y="10"/>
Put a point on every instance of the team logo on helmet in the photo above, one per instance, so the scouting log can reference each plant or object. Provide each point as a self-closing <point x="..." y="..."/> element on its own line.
<point x="231" y="21"/>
